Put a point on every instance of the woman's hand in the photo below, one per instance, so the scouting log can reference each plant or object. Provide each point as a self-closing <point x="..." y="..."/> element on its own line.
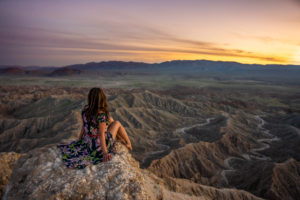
<point x="106" y="157"/>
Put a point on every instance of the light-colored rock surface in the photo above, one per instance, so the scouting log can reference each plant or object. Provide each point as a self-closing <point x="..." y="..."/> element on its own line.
<point x="41" y="174"/>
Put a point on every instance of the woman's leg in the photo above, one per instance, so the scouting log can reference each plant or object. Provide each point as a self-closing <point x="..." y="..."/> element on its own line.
<point x="118" y="131"/>
<point x="118" y="136"/>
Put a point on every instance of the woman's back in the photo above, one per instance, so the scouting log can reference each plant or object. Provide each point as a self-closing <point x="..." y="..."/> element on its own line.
<point x="91" y="127"/>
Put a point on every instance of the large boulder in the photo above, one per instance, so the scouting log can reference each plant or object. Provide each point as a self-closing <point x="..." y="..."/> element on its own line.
<point x="41" y="174"/>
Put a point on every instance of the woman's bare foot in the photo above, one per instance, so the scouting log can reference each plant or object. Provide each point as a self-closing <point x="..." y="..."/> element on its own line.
<point x="129" y="146"/>
<point x="122" y="141"/>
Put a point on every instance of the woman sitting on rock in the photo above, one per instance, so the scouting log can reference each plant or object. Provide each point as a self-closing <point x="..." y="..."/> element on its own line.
<point x="98" y="134"/>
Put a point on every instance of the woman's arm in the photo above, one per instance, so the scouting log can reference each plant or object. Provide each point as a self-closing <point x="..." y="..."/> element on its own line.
<point x="110" y="121"/>
<point x="102" y="127"/>
<point x="81" y="132"/>
<point x="106" y="155"/>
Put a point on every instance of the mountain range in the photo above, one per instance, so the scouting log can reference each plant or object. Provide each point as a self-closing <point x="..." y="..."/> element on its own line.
<point x="206" y="68"/>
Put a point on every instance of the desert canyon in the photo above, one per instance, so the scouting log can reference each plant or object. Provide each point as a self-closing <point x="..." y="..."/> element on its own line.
<point x="193" y="138"/>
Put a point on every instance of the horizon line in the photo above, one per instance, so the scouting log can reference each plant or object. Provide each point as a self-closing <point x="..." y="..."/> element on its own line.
<point x="126" y="61"/>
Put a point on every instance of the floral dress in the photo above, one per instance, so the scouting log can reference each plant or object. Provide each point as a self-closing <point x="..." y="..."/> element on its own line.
<point x="80" y="153"/>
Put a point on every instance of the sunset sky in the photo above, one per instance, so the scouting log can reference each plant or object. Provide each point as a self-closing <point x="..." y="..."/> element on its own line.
<point x="62" y="32"/>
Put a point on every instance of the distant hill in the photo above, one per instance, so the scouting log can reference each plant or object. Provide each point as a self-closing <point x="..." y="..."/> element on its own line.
<point x="12" y="71"/>
<point x="65" y="72"/>
<point x="110" y="65"/>
<point x="19" y="71"/>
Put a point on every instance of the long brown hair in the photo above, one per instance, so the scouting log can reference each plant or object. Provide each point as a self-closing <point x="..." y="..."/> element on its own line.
<point x="96" y="102"/>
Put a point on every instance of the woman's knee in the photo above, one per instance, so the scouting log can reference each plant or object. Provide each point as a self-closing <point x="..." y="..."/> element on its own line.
<point x="117" y="122"/>
<point x="114" y="126"/>
<point x="110" y="119"/>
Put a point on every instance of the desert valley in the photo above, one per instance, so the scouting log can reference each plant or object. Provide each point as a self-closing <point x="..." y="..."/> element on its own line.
<point x="199" y="130"/>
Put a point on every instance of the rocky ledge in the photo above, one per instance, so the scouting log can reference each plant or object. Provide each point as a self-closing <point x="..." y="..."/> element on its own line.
<point x="41" y="174"/>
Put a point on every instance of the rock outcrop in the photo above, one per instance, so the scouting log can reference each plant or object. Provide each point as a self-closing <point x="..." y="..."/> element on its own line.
<point x="41" y="174"/>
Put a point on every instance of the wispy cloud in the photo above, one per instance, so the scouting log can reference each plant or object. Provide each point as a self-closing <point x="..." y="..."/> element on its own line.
<point x="267" y="39"/>
<point x="43" y="40"/>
